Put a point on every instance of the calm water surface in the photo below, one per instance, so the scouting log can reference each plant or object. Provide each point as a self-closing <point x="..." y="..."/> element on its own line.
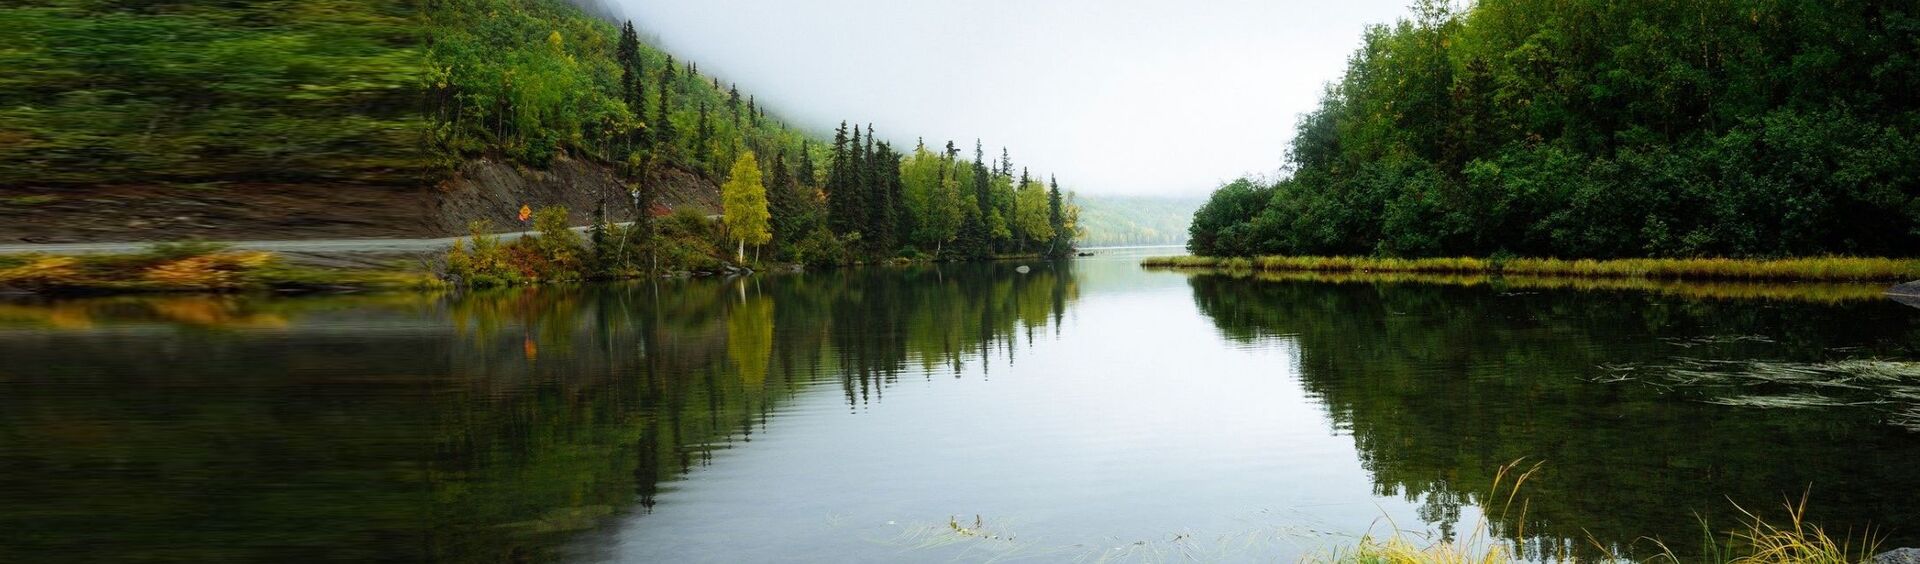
<point x="1075" y="412"/>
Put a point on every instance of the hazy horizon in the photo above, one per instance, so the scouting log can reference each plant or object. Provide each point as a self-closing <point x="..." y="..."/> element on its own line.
<point x="1109" y="96"/>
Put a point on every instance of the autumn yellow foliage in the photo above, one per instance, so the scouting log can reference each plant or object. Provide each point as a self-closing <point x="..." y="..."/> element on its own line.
<point x="177" y="267"/>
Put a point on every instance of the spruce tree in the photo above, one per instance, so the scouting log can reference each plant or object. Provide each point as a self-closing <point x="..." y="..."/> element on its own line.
<point x="855" y="209"/>
<point x="806" y="172"/>
<point x="632" y="79"/>
<point x="663" y="134"/>
<point x="880" y="182"/>
<point x="703" y="133"/>
<point x="1056" y="218"/>
<point x="783" y="202"/>
<point x="842" y="182"/>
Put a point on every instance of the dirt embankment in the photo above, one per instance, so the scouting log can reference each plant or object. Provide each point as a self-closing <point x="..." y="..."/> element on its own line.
<point x="481" y="189"/>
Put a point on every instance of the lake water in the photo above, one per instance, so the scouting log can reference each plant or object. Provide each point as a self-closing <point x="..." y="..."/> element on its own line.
<point x="1082" y="411"/>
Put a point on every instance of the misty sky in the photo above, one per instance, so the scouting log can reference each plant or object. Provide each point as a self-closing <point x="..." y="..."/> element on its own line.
<point x="1114" y="96"/>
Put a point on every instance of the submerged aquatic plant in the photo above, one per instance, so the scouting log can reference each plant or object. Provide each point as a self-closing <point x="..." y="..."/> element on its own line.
<point x="1787" y="385"/>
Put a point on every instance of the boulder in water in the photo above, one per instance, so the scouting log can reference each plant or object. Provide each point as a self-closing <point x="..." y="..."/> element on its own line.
<point x="1900" y="556"/>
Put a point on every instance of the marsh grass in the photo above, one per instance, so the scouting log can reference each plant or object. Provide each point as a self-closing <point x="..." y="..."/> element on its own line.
<point x="1756" y="541"/>
<point x="1776" y="270"/>
<point x="1793" y="541"/>
<point x="1815" y="292"/>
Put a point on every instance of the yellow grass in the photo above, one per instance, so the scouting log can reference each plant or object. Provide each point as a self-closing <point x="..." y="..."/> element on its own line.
<point x="1776" y="270"/>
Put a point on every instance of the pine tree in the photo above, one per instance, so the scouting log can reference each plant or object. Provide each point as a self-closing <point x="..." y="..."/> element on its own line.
<point x="703" y="147"/>
<point x="883" y="171"/>
<point x="806" y="172"/>
<point x="1056" y="218"/>
<point x="783" y="202"/>
<point x="973" y="241"/>
<point x="663" y="134"/>
<point x="842" y="182"/>
<point x="744" y="204"/>
<point x="632" y="79"/>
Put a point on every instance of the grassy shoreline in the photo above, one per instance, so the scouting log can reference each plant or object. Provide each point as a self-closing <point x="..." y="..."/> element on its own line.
<point x="188" y="267"/>
<point x="1809" y="269"/>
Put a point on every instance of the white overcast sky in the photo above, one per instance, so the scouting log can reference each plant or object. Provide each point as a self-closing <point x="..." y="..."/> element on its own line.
<point x="1113" y="96"/>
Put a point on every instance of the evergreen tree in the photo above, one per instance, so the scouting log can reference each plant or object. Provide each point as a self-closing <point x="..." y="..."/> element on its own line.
<point x="703" y="146"/>
<point x="806" y="173"/>
<point x="783" y="202"/>
<point x="844" y="202"/>
<point x="744" y="202"/>
<point x="1056" y="218"/>
<point x="632" y="93"/>
<point x="663" y="134"/>
<point x="883" y="170"/>
<point x="1022" y="231"/>
<point x="973" y="240"/>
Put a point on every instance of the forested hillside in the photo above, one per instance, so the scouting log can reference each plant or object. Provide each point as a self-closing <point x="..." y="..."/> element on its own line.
<point x="1596" y="128"/>
<point x="1112" y="221"/>
<point x="401" y="94"/>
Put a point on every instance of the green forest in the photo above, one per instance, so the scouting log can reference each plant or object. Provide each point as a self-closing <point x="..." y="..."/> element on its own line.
<point x="1603" y="129"/>
<point x="371" y="93"/>
<point x="1115" y="221"/>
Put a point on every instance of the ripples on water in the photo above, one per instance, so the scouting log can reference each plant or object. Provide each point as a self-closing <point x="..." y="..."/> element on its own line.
<point x="1077" y="412"/>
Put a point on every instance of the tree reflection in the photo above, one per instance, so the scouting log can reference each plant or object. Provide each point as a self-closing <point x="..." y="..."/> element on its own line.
<point x="482" y="426"/>
<point x="1440" y="386"/>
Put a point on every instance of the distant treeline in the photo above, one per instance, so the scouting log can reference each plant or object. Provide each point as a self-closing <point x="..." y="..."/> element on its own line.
<point x="385" y="93"/>
<point x="1112" y="221"/>
<point x="1604" y="128"/>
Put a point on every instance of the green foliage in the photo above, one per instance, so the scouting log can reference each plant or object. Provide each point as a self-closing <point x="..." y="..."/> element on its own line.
<point x="933" y="195"/>
<point x="1031" y="220"/>
<point x="1742" y="128"/>
<point x="192" y="90"/>
<point x="363" y="92"/>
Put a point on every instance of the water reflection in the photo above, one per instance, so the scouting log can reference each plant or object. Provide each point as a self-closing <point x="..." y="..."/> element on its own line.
<point x="524" y="425"/>
<point x="474" y="427"/>
<point x="1442" y="385"/>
